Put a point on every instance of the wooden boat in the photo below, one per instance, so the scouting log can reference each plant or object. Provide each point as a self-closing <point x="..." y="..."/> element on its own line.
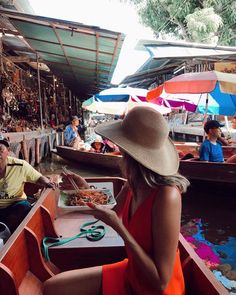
<point x="193" y="148"/>
<point x="191" y="168"/>
<point x="194" y="169"/>
<point x="23" y="268"/>
<point x="89" y="158"/>
<point x="208" y="171"/>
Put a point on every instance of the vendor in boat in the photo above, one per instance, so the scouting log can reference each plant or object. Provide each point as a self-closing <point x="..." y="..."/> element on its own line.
<point x="147" y="215"/>
<point x="72" y="136"/>
<point x="13" y="174"/>
<point x="97" y="146"/>
<point x="211" y="150"/>
<point x="111" y="148"/>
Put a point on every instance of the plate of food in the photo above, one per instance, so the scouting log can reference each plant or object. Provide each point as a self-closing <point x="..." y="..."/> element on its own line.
<point x="73" y="200"/>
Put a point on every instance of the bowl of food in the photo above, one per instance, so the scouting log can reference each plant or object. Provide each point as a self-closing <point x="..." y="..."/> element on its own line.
<point x="73" y="200"/>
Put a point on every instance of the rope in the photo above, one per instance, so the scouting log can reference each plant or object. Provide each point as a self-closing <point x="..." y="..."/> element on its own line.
<point x="93" y="233"/>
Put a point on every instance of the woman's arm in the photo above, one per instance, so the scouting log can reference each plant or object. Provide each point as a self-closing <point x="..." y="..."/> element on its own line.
<point x="166" y="218"/>
<point x="120" y="199"/>
<point x="166" y="225"/>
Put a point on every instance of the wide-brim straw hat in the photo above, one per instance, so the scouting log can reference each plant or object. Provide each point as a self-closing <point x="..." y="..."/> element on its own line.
<point x="144" y="135"/>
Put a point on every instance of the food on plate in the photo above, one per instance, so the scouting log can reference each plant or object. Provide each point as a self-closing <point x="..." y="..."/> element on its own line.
<point x="84" y="196"/>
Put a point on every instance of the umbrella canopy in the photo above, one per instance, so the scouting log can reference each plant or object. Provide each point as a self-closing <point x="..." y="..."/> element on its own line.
<point x="205" y="92"/>
<point x="118" y="101"/>
<point x="121" y="94"/>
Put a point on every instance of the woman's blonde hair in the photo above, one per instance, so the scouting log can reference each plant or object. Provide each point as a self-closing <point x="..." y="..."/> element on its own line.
<point x="136" y="174"/>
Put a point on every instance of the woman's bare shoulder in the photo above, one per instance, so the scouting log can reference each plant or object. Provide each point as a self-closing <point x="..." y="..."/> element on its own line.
<point x="168" y="194"/>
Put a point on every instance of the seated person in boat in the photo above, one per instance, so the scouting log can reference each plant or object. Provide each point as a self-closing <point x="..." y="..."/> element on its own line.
<point x="97" y="146"/>
<point x="226" y="141"/>
<point x="72" y="136"/>
<point x="111" y="148"/>
<point x="211" y="150"/>
<point x="147" y="215"/>
<point x="13" y="175"/>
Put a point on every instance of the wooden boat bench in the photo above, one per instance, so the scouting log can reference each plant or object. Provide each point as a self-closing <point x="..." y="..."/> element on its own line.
<point x="191" y="159"/>
<point x="22" y="267"/>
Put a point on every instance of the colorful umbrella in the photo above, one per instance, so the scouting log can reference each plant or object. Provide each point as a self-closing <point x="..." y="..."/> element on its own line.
<point x="118" y="101"/>
<point x="205" y="92"/>
<point x="121" y="94"/>
<point x="119" y="107"/>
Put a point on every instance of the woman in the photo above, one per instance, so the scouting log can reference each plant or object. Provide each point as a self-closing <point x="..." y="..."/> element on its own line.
<point x="150" y="207"/>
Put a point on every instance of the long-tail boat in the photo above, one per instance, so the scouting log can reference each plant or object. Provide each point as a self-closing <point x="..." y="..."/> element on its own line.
<point x="194" y="169"/>
<point x="23" y="268"/>
<point x="107" y="160"/>
<point x="193" y="148"/>
<point x="191" y="168"/>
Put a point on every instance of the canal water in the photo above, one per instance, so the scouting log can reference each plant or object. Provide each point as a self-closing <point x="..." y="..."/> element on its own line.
<point x="208" y="218"/>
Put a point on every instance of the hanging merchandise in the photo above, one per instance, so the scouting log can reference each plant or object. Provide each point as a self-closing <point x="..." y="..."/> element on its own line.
<point x="7" y="94"/>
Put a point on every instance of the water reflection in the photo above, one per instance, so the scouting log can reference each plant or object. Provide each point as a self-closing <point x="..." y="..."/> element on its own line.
<point x="208" y="223"/>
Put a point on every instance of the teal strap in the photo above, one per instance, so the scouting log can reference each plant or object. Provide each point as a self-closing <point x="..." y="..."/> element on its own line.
<point x="92" y="233"/>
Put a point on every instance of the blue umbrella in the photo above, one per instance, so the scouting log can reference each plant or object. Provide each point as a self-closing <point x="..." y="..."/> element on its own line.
<point x="121" y="94"/>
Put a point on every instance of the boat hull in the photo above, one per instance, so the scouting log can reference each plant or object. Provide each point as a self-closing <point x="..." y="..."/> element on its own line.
<point x="193" y="148"/>
<point x="89" y="158"/>
<point x="208" y="171"/>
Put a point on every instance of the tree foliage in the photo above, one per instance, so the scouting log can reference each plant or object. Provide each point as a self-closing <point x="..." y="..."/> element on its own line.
<point x="205" y="21"/>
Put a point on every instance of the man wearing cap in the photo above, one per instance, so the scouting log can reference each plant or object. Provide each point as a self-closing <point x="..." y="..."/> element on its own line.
<point x="211" y="150"/>
<point x="72" y="137"/>
<point x="13" y="175"/>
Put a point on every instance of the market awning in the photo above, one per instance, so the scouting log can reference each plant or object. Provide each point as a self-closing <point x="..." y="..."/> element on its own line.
<point x="167" y="57"/>
<point x="84" y="56"/>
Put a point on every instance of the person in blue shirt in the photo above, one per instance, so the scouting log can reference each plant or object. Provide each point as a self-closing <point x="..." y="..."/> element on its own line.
<point x="72" y="136"/>
<point x="211" y="150"/>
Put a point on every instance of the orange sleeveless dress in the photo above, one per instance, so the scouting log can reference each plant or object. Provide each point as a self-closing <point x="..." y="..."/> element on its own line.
<point x="122" y="277"/>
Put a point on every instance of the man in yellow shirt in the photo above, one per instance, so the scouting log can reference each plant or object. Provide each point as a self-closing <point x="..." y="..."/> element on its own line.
<point x="13" y="175"/>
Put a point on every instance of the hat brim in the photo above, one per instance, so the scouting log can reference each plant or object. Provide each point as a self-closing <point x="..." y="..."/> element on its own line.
<point x="164" y="160"/>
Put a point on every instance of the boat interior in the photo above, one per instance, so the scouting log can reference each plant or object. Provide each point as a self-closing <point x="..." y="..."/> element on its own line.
<point x="23" y="269"/>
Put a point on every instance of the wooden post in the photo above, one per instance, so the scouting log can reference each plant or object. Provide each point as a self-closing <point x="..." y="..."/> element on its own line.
<point x="1" y="51"/>
<point x="40" y="96"/>
<point x="70" y="110"/>
<point x="50" y="142"/>
<point x="25" y="149"/>
<point x="37" y="150"/>
<point x="57" y="138"/>
<point x="55" y="97"/>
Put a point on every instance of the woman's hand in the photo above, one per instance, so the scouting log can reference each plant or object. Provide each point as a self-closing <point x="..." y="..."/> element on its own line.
<point x="108" y="216"/>
<point x="66" y="183"/>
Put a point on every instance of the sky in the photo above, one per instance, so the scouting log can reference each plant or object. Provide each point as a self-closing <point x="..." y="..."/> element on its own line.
<point x="107" y="14"/>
